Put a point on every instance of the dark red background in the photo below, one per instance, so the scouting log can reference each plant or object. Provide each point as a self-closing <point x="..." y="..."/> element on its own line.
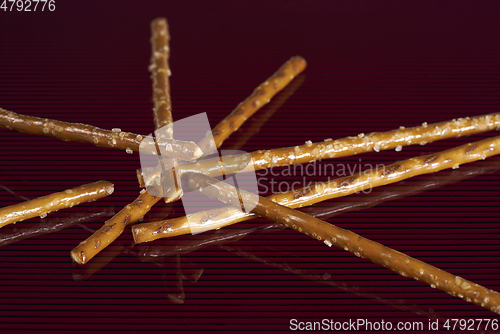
<point x="372" y="66"/>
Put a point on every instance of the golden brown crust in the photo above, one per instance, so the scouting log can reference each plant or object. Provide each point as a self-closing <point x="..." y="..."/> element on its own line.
<point x="348" y="146"/>
<point x="358" y="245"/>
<point x="130" y="142"/>
<point x="114" y="227"/>
<point x="41" y="206"/>
<point x="160" y="72"/>
<point x="322" y="191"/>
<point x="260" y="97"/>
<point x="382" y="175"/>
<point x="162" y="109"/>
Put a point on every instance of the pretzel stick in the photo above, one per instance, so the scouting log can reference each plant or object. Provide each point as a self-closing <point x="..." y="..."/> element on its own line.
<point x="186" y="150"/>
<point x="322" y="191"/>
<point x="114" y="227"/>
<point x="41" y="206"/>
<point x="349" y="146"/>
<point x="260" y="97"/>
<point x="160" y="71"/>
<point x="356" y="244"/>
<point x="162" y="110"/>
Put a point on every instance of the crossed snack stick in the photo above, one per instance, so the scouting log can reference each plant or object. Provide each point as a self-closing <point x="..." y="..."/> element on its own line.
<point x="328" y="233"/>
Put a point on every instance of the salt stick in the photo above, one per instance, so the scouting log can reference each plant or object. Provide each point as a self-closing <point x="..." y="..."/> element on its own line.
<point x="130" y="142"/>
<point x="260" y="97"/>
<point x="375" y="141"/>
<point x="160" y="72"/>
<point x="356" y="244"/>
<point x="41" y="206"/>
<point x="322" y="191"/>
<point x="115" y="226"/>
<point x="162" y="109"/>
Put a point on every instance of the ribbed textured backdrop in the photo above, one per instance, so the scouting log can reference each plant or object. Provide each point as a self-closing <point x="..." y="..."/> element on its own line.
<point x="372" y="66"/>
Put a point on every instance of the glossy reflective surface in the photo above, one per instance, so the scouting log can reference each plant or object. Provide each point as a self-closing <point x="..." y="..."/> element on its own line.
<point x="371" y="67"/>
